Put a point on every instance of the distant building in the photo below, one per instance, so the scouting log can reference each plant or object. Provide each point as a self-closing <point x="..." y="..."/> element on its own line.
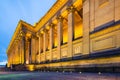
<point x="81" y="35"/>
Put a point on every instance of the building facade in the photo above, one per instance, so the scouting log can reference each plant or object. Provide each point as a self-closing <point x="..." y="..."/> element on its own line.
<point x="79" y="35"/>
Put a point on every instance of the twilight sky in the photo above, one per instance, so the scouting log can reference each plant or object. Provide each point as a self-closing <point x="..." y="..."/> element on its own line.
<point x="11" y="11"/>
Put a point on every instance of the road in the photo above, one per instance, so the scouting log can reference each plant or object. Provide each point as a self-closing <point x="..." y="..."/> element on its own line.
<point x="58" y="76"/>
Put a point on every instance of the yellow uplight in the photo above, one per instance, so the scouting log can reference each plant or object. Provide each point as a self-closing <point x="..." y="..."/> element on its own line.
<point x="30" y="67"/>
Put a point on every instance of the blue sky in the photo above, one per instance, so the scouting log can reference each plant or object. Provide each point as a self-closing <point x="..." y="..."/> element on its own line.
<point x="11" y="11"/>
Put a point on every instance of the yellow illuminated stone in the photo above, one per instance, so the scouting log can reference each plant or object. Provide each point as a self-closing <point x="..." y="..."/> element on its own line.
<point x="30" y="67"/>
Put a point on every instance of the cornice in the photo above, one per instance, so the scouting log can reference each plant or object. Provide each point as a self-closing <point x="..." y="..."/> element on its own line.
<point x="51" y="13"/>
<point x="19" y="27"/>
<point x="54" y="9"/>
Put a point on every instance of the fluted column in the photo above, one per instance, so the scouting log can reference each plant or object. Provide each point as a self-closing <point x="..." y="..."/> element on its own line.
<point x="30" y="56"/>
<point x="45" y="43"/>
<point x="27" y="50"/>
<point x="36" y="49"/>
<point x="14" y="61"/>
<point x="51" y="39"/>
<point x="70" y="30"/>
<point x="60" y="35"/>
<point x="40" y="46"/>
<point x="19" y="56"/>
<point x="42" y="43"/>
<point x="23" y="52"/>
<point x="16" y="54"/>
<point x="13" y="57"/>
<point x="33" y="49"/>
<point x="19" y="53"/>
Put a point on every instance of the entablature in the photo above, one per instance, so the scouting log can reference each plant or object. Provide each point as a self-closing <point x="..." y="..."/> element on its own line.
<point x="23" y="29"/>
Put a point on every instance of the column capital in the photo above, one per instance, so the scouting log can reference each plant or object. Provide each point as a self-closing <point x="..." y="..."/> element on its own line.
<point x="71" y="9"/>
<point x="27" y="39"/>
<point x="22" y="33"/>
<point x="45" y="30"/>
<point x="60" y="18"/>
<point x="35" y="36"/>
<point x="84" y="1"/>
<point x="51" y="25"/>
<point x="39" y="34"/>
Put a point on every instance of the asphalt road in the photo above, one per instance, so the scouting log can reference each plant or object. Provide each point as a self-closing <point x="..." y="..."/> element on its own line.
<point x="58" y="76"/>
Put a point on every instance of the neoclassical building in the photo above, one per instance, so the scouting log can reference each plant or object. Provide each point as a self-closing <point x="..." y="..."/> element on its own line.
<point x="81" y="35"/>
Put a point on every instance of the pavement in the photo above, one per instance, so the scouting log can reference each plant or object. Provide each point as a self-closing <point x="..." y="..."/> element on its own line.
<point x="58" y="76"/>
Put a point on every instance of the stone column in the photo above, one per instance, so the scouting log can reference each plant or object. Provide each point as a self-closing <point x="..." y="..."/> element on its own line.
<point x="86" y="27"/>
<point x="51" y="39"/>
<point x="33" y="49"/>
<point x="40" y="46"/>
<point x="18" y="53"/>
<point x="37" y="48"/>
<point x="42" y="43"/>
<point x="23" y="50"/>
<point x="14" y="61"/>
<point x="60" y="35"/>
<point x="45" y="43"/>
<point x="70" y="30"/>
<point x="27" y="50"/>
<point x="13" y="56"/>
<point x="30" y="57"/>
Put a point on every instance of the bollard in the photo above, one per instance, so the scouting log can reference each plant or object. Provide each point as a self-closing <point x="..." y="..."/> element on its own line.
<point x="80" y="72"/>
<point x="99" y="73"/>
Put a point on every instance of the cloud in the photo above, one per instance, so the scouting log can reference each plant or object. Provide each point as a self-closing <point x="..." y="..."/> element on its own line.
<point x="3" y="63"/>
